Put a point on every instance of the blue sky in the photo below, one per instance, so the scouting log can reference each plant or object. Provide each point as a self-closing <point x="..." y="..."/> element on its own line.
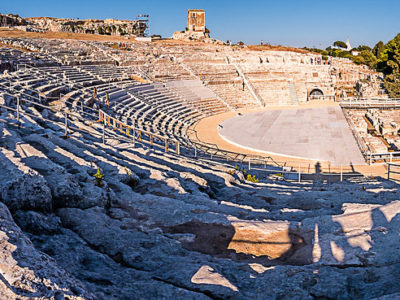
<point x="285" y="22"/>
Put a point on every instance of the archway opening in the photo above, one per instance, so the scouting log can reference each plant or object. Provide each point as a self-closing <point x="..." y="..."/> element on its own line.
<point x="316" y="94"/>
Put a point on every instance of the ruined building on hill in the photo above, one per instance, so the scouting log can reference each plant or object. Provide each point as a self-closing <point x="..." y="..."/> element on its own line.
<point x="196" y="27"/>
<point x="90" y="26"/>
<point x="196" y="20"/>
<point x="11" y="20"/>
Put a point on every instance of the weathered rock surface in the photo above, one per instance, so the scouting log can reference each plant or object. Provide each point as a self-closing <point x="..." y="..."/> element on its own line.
<point x="160" y="226"/>
<point x="21" y="187"/>
<point x="27" y="273"/>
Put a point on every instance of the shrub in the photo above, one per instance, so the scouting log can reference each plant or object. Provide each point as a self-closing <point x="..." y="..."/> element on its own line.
<point x="99" y="178"/>
<point x="231" y="172"/>
<point x="252" y="178"/>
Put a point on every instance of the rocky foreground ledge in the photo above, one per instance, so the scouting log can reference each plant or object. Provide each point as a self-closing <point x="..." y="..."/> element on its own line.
<point x="158" y="226"/>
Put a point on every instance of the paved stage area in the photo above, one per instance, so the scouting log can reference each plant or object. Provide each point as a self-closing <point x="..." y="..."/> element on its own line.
<point x="314" y="133"/>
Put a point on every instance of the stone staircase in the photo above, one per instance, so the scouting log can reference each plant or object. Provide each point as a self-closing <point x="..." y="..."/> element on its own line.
<point x="293" y="94"/>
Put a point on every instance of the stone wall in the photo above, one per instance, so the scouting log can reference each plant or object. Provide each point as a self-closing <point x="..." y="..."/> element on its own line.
<point x="91" y="26"/>
<point x="11" y="20"/>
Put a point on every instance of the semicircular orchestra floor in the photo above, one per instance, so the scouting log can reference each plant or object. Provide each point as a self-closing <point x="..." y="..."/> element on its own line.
<point x="315" y="133"/>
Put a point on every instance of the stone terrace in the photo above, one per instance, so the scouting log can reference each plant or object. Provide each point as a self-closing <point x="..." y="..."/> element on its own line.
<point x="276" y="77"/>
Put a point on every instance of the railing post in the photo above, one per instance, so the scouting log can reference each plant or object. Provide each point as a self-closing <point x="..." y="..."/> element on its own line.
<point x="18" y="109"/>
<point x="178" y="148"/>
<point x="66" y="123"/>
<point x="104" y="133"/>
<point x="249" y="163"/>
<point x="299" y="173"/>
<point x="391" y="156"/>
<point x="166" y="145"/>
<point x="341" y="173"/>
<point x="195" y="151"/>
<point x="370" y="159"/>
<point x="388" y="173"/>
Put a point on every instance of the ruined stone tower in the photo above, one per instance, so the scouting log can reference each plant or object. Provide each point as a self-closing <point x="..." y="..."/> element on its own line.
<point x="196" y="20"/>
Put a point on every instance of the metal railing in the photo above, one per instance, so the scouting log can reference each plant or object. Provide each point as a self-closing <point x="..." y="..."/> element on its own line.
<point x="390" y="171"/>
<point x="369" y="157"/>
<point x="255" y="95"/>
<point x="383" y="157"/>
<point x="137" y="134"/>
<point x="360" y="144"/>
<point x="20" y="112"/>
<point x="322" y="97"/>
<point x="302" y="171"/>
<point x="371" y="103"/>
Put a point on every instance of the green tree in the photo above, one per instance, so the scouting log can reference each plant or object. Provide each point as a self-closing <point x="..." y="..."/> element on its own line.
<point x="345" y="54"/>
<point x="392" y="81"/>
<point x="378" y="49"/>
<point x="358" y="60"/>
<point x="340" y="44"/>
<point x="389" y="64"/>
<point x="364" y="48"/>
<point x="368" y="58"/>
<point x="100" y="30"/>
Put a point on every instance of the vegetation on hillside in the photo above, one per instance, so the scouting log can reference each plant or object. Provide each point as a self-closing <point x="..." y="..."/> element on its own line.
<point x="384" y="58"/>
<point x="389" y="64"/>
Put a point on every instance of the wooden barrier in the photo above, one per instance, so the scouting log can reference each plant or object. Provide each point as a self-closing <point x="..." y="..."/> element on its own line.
<point x="136" y="133"/>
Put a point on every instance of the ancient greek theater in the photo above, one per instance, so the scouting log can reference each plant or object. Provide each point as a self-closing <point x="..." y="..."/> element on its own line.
<point x="218" y="161"/>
